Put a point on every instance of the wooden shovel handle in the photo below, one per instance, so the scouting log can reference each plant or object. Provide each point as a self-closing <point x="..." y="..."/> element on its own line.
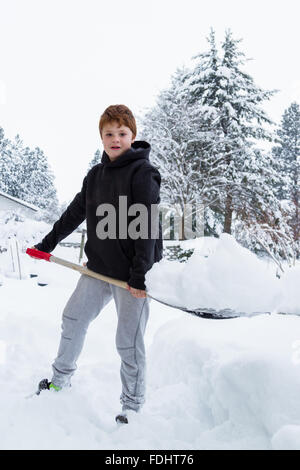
<point x="88" y="272"/>
<point x="77" y="267"/>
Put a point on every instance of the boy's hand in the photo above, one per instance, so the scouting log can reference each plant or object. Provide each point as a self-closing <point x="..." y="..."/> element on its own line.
<point x="138" y="293"/>
<point x="35" y="257"/>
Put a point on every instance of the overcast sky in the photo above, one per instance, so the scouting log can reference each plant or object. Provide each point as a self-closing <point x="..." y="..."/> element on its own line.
<point x="62" y="62"/>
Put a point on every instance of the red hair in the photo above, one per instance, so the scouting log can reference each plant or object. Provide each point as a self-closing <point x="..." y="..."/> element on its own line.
<point x="121" y="114"/>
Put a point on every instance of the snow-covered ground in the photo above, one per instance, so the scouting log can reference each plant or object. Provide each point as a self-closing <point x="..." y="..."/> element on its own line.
<point x="211" y="384"/>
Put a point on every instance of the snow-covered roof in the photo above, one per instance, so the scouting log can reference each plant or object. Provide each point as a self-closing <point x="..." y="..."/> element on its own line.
<point x="19" y="201"/>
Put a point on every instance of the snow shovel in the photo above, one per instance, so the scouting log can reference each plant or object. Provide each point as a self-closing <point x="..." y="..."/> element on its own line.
<point x="208" y="313"/>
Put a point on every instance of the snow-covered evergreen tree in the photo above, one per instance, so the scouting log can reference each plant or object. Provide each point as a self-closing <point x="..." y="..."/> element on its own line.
<point x="96" y="159"/>
<point x="205" y="132"/>
<point x="40" y="189"/>
<point x="287" y="153"/>
<point x="222" y="84"/>
<point x="261" y="221"/>
<point x="12" y="168"/>
<point x="25" y="174"/>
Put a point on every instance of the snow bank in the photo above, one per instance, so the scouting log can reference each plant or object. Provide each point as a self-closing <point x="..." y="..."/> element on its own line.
<point x="18" y="235"/>
<point x="287" y="438"/>
<point x="290" y="291"/>
<point x="234" y="382"/>
<point x="26" y="231"/>
<point x="227" y="276"/>
<point x="15" y="237"/>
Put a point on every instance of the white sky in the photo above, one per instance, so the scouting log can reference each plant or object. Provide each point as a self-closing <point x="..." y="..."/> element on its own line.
<point x="62" y="62"/>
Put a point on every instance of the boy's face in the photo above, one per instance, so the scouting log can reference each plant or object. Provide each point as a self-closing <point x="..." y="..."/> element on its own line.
<point x="116" y="139"/>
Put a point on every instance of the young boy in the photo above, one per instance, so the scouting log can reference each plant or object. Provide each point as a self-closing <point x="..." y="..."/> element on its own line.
<point x="124" y="170"/>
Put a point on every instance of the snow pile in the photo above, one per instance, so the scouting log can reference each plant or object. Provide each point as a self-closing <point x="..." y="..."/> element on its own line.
<point x="231" y="384"/>
<point x="26" y="231"/>
<point x="235" y="382"/>
<point x="290" y="289"/>
<point x="15" y="237"/>
<point x="229" y="276"/>
<point x="18" y="235"/>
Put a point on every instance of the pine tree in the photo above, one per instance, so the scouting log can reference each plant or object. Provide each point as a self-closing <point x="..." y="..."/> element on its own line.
<point x="261" y="221"/>
<point x="12" y="167"/>
<point x="221" y="83"/>
<point x="25" y="174"/>
<point x="96" y="159"/>
<point x="287" y="153"/>
<point x="40" y="189"/>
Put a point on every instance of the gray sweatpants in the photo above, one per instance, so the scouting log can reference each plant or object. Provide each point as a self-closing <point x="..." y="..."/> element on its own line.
<point x="89" y="298"/>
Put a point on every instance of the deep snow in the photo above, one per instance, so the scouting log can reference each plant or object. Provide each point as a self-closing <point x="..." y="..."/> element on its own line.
<point x="223" y="274"/>
<point x="226" y="384"/>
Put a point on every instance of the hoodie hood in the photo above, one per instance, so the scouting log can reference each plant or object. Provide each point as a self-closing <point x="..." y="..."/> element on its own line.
<point x="139" y="150"/>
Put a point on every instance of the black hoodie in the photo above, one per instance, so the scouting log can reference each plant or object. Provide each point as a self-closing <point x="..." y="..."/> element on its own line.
<point x="130" y="175"/>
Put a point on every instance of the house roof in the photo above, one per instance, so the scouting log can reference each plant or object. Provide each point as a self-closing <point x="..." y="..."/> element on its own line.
<point x="19" y="201"/>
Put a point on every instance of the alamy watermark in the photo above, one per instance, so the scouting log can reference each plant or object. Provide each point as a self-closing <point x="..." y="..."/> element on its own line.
<point x="141" y="221"/>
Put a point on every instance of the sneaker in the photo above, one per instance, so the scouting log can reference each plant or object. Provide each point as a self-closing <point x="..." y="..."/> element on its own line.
<point x="46" y="385"/>
<point x="125" y="416"/>
<point x="122" y="418"/>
